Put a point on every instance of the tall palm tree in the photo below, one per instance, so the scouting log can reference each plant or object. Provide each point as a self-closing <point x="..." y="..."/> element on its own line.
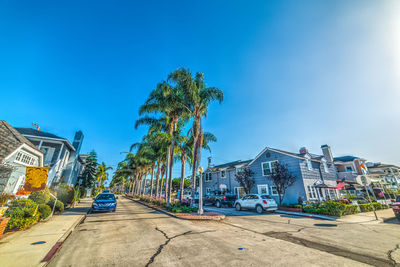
<point x="197" y="98"/>
<point x="102" y="174"/>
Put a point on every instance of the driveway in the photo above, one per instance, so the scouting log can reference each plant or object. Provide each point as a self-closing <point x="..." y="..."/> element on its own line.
<point x="139" y="236"/>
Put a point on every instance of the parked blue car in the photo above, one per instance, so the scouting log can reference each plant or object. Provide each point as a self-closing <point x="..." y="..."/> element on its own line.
<point x="104" y="202"/>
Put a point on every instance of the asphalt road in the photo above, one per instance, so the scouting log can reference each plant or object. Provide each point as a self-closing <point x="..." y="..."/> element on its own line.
<point x="138" y="236"/>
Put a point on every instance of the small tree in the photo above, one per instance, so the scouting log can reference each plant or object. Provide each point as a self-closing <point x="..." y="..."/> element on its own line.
<point x="244" y="178"/>
<point x="282" y="179"/>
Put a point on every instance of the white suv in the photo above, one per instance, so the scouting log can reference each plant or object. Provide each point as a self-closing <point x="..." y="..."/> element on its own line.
<point x="256" y="201"/>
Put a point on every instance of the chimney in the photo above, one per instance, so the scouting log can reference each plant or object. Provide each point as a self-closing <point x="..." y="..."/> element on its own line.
<point x="326" y="150"/>
<point x="303" y="150"/>
<point x="78" y="141"/>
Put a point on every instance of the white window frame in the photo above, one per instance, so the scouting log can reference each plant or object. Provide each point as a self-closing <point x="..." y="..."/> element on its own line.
<point x="326" y="169"/>
<point x="208" y="177"/>
<point x="26" y="159"/>
<point x="308" y="162"/>
<point x="208" y="190"/>
<point x="263" y="186"/>
<point x="312" y="192"/>
<point x="238" y="191"/>
<point x="272" y="190"/>
<point x="223" y="171"/>
<point x="270" y="167"/>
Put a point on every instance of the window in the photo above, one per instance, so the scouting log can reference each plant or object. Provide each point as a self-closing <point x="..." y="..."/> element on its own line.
<point x="26" y="159"/>
<point x="349" y="169"/>
<point x="330" y="194"/>
<point x="239" y="192"/>
<point x="208" y="190"/>
<point x="263" y="189"/>
<point x="274" y="192"/>
<point x="312" y="192"/>
<point x="223" y="174"/>
<point x="308" y="162"/>
<point x="268" y="167"/>
<point x="325" y="166"/>
<point x="208" y="177"/>
<point x="238" y="170"/>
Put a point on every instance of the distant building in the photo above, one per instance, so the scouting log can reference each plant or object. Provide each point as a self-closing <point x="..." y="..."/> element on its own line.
<point x="59" y="154"/>
<point x="16" y="153"/>
<point x="387" y="174"/>
<point x="315" y="175"/>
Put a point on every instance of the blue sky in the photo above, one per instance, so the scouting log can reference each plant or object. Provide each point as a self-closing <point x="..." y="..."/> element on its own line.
<point x="294" y="73"/>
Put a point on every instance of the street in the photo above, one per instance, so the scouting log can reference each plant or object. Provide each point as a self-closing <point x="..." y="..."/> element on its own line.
<point x="138" y="236"/>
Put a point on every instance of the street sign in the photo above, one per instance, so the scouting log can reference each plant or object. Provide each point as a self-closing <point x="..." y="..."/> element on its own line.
<point x="363" y="180"/>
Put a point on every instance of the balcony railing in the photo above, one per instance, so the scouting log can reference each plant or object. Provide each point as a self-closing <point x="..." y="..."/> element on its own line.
<point x="347" y="175"/>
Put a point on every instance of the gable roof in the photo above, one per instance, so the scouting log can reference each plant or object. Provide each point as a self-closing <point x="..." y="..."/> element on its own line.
<point x="11" y="139"/>
<point x="41" y="134"/>
<point x="231" y="164"/>
<point x="313" y="157"/>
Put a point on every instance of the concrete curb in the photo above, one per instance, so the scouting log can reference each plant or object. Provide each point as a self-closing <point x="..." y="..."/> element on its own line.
<point x="53" y="251"/>
<point x="388" y="219"/>
<point x="307" y="215"/>
<point x="219" y="218"/>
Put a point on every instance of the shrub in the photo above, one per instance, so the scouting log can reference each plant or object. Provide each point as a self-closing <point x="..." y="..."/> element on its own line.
<point x="4" y="198"/>
<point x="65" y="194"/>
<point x="41" y="197"/>
<point x="331" y="208"/>
<point x="44" y="211"/>
<point x="23" y="213"/>
<point x="59" y="205"/>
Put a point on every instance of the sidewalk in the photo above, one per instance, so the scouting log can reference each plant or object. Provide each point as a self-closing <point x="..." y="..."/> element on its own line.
<point x="17" y="249"/>
<point x="364" y="217"/>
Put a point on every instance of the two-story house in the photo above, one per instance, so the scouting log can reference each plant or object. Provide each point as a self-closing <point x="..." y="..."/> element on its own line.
<point x="386" y="174"/>
<point x="16" y="153"/>
<point x="348" y="168"/>
<point x="315" y="175"/>
<point x="59" y="154"/>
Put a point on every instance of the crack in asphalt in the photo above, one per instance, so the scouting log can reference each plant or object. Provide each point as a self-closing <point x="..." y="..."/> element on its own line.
<point x="390" y="252"/>
<point x="168" y="239"/>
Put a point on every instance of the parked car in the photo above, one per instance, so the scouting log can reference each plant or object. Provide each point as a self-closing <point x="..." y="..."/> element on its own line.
<point x="219" y="199"/>
<point x="396" y="207"/>
<point x="104" y="202"/>
<point x="256" y="201"/>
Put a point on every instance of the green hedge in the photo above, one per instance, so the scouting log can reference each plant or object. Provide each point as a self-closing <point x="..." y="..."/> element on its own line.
<point x="367" y="207"/>
<point x="41" y="197"/>
<point x="331" y="208"/>
<point x="59" y="205"/>
<point x="44" y="211"/>
<point x="23" y="213"/>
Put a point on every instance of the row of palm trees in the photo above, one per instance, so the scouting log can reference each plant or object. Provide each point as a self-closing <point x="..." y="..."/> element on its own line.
<point x="173" y="113"/>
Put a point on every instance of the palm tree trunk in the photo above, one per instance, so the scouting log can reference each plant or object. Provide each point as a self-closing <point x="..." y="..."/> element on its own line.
<point x="171" y="163"/>
<point x="151" y="181"/>
<point x="194" y="170"/>
<point x="144" y="184"/>
<point x="183" y="160"/>
<point x="157" y="178"/>
<point x="162" y="179"/>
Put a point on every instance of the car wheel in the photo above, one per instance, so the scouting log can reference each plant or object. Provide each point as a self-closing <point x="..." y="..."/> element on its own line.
<point x="218" y="204"/>
<point x="259" y="209"/>
<point x="238" y="207"/>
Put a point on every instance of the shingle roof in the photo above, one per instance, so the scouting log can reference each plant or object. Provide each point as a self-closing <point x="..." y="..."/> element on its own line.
<point x="34" y="132"/>
<point x="345" y="158"/>
<point x="10" y="140"/>
<point x="232" y="164"/>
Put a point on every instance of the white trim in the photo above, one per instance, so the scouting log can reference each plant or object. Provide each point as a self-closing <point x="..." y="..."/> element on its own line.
<point x="272" y="194"/>
<point x="263" y="185"/>
<point x="34" y="151"/>
<point x="50" y="139"/>
<point x="308" y="162"/>
<point x="223" y="177"/>
<point x="237" y="193"/>
<point x="325" y="165"/>
<point x="262" y="167"/>
<point x="268" y="148"/>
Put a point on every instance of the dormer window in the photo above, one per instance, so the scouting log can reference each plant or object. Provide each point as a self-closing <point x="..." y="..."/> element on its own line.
<point x="223" y="174"/>
<point x="308" y="162"/>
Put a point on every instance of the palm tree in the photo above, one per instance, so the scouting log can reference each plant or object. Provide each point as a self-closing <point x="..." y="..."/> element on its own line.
<point x="196" y="101"/>
<point x="102" y="174"/>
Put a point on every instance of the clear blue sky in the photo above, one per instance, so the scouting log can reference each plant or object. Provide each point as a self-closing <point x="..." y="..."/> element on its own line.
<point x="294" y="73"/>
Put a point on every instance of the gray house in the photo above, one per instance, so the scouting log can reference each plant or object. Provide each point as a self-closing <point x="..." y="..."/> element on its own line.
<point x="315" y="175"/>
<point x="59" y="154"/>
<point x="16" y="153"/>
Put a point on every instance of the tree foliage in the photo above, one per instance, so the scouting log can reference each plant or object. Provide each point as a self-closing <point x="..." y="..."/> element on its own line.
<point x="245" y="179"/>
<point x="282" y="179"/>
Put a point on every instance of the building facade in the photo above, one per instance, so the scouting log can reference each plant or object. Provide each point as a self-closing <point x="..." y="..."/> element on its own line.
<point x="315" y="175"/>
<point x="16" y="153"/>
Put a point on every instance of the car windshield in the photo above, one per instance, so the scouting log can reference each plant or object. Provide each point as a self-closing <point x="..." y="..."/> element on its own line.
<point x="398" y="199"/>
<point x="105" y="197"/>
<point x="265" y="197"/>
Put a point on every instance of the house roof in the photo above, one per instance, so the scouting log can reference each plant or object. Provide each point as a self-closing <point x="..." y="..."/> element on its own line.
<point x="232" y="164"/>
<point x="41" y="134"/>
<point x="11" y="139"/>
<point x="345" y="158"/>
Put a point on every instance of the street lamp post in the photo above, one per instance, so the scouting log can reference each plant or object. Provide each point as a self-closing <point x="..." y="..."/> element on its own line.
<point x="200" y="211"/>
